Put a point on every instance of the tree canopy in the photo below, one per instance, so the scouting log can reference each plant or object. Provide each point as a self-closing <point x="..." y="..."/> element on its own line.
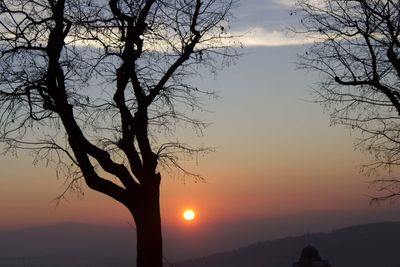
<point x="95" y="65"/>
<point x="356" y="53"/>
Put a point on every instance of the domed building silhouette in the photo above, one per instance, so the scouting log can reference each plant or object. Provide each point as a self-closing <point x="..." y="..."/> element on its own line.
<point x="310" y="258"/>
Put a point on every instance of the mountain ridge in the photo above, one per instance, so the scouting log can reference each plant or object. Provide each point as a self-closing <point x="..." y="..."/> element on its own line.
<point x="351" y="246"/>
<point x="74" y="244"/>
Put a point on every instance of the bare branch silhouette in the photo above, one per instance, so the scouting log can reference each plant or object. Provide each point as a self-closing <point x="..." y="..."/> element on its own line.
<point x="357" y="54"/>
<point x="98" y="87"/>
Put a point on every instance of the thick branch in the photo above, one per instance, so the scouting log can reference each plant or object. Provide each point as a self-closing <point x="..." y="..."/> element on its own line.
<point x="80" y="145"/>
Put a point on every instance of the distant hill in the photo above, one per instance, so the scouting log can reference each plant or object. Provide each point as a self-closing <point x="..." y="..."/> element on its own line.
<point x="68" y="245"/>
<point x="82" y="245"/>
<point x="369" y="245"/>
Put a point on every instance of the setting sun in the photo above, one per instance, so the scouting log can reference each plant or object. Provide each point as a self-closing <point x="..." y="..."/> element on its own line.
<point x="188" y="215"/>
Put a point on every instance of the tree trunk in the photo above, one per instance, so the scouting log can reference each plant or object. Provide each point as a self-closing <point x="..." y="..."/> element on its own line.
<point x="147" y="217"/>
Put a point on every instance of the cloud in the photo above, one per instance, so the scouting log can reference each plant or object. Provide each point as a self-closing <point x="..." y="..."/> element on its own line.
<point x="264" y="23"/>
<point x="262" y="37"/>
<point x="287" y="3"/>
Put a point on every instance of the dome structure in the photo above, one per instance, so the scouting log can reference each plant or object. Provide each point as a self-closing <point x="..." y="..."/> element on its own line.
<point x="310" y="254"/>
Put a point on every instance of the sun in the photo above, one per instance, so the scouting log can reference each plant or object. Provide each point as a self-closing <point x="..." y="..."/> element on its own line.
<point x="188" y="215"/>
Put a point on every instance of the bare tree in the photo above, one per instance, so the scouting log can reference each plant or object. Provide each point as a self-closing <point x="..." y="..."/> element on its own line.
<point x="98" y="87"/>
<point x="356" y="52"/>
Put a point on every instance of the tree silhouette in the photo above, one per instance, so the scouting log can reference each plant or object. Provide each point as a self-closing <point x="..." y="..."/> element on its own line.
<point x="357" y="55"/>
<point x="97" y="87"/>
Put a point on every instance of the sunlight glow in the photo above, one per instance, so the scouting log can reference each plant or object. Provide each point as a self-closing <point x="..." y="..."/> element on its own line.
<point x="188" y="215"/>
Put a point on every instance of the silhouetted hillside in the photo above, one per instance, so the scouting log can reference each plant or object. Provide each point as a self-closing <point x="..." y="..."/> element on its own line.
<point x="67" y="245"/>
<point x="370" y="245"/>
<point x="76" y="245"/>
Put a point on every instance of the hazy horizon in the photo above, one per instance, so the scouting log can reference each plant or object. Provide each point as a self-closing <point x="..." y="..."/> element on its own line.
<point x="181" y="247"/>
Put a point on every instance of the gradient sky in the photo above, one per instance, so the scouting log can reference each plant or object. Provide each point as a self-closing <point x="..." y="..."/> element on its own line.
<point x="278" y="169"/>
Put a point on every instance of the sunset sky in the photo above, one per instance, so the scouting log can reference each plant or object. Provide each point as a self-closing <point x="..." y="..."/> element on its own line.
<point x="278" y="167"/>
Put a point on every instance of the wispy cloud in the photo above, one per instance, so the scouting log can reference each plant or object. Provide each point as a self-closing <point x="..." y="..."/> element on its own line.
<point x="264" y="23"/>
<point x="288" y="3"/>
<point x="262" y="37"/>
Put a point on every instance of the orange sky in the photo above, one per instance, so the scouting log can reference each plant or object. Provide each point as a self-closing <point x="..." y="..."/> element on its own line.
<point x="275" y="156"/>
